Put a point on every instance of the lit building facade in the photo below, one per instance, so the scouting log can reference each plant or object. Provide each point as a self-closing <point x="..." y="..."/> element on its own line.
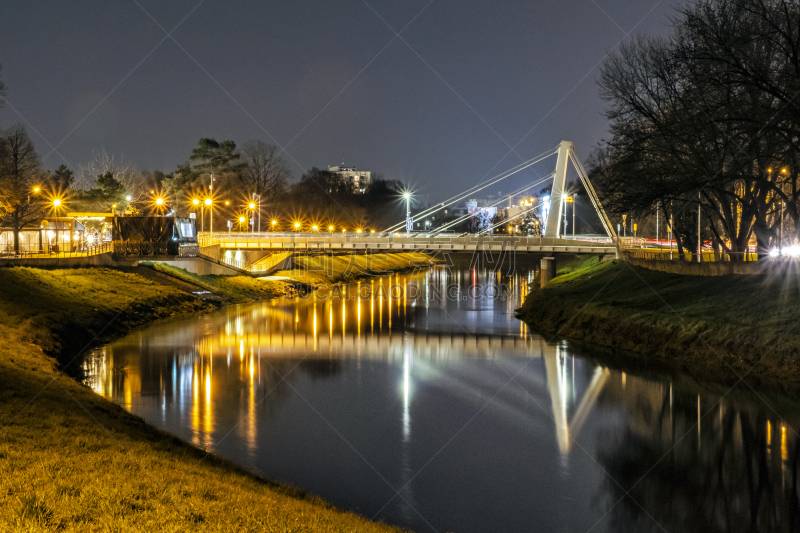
<point x="359" y="178"/>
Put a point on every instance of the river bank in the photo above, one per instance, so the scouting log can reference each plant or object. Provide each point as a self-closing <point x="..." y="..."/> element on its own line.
<point x="73" y="461"/>
<point x="716" y="328"/>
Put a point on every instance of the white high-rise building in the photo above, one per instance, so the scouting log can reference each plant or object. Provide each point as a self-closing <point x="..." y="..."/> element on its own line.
<point x="360" y="178"/>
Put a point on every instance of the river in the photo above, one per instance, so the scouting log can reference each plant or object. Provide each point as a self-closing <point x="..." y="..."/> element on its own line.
<point x="420" y="400"/>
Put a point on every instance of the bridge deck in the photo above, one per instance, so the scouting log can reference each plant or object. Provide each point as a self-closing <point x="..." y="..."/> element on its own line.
<point x="305" y="243"/>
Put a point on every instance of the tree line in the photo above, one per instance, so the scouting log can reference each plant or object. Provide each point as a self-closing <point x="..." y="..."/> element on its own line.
<point x="28" y="193"/>
<point x="704" y="126"/>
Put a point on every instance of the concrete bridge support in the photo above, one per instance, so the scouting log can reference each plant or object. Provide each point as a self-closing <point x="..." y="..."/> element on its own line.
<point x="548" y="270"/>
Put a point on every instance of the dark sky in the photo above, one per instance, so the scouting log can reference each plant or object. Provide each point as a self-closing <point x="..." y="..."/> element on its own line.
<point x="438" y="107"/>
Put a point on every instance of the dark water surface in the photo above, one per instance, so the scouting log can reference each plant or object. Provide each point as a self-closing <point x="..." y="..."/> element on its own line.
<point x="421" y="401"/>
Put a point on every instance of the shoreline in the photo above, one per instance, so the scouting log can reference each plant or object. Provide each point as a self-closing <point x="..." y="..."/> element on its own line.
<point x="49" y="320"/>
<point x="714" y="329"/>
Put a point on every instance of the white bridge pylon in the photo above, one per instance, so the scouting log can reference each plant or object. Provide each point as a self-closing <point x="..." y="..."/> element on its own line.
<point x="566" y="151"/>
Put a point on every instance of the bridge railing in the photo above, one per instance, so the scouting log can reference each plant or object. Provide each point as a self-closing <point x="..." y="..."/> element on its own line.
<point x="83" y="250"/>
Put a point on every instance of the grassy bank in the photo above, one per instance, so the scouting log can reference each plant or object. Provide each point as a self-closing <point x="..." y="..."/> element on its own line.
<point x="229" y="288"/>
<point x="706" y="325"/>
<point x="73" y="461"/>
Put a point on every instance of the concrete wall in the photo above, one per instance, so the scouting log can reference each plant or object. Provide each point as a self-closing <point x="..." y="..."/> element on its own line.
<point x="200" y="266"/>
<point x="713" y="268"/>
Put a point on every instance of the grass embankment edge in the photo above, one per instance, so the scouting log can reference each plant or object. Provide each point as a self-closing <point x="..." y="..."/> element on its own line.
<point x="716" y="328"/>
<point x="71" y="460"/>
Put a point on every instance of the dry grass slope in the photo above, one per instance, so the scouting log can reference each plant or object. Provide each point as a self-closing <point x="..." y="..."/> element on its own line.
<point x="72" y="461"/>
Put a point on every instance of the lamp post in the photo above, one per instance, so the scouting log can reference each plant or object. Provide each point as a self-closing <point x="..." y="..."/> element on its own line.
<point x="196" y="202"/>
<point x="407" y="196"/>
<point x="56" y="207"/>
<point x="780" y="240"/>
<point x="210" y="212"/>
<point x="254" y="205"/>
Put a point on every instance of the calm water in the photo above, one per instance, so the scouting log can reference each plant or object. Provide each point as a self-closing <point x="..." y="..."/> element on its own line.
<point x="421" y="401"/>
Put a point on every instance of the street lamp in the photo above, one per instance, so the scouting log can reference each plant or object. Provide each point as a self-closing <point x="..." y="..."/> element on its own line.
<point x="330" y="229"/>
<point x="571" y="200"/>
<point x="254" y="205"/>
<point x="210" y="215"/>
<point x="407" y="196"/>
<point x="273" y="224"/>
<point x="296" y="226"/>
<point x="159" y="203"/>
<point x="56" y="208"/>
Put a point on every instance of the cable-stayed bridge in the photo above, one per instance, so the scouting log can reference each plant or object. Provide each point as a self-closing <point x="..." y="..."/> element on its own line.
<point x="398" y="238"/>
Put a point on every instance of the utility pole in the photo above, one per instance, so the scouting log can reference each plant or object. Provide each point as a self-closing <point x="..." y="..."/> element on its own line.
<point x="658" y="204"/>
<point x="780" y="241"/>
<point x="699" y="239"/>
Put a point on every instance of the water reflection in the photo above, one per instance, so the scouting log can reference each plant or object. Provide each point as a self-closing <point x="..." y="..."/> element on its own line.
<point x="426" y="385"/>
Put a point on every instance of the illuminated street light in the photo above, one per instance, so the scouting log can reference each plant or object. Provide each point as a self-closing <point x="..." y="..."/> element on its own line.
<point x="159" y="201"/>
<point x="56" y="206"/>
<point x="210" y="215"/>
<point x="251" y="205"/>
<point x="330" y="229"/>
<point x="407" y="196"/>
<point x="313" y="228"/>
<point x="36" y="189"/>
<point x="128" y="198"/>
<point x="196" y="201"/>
<point x="358" y="230"/>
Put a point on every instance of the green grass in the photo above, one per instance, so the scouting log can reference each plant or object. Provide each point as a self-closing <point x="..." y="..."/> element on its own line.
<point x="73" y="461"/>
<point x="701" y="322"/>
<point x="232" y="288"/>
<point x="63" y="310"/>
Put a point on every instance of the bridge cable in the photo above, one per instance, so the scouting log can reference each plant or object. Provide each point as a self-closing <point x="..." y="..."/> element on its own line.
<point x="592" y="194"/>
<point x="464" y="217"/>
<point x="473" y="189"/>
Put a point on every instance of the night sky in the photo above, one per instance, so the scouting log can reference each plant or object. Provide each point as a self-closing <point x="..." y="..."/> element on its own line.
<point x="439" y="107"/>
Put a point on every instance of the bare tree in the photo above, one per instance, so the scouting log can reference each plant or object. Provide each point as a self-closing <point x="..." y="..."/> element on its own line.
<point x="698" y="120"/>
<point x="133" y="181"/>
<point x="19" y="172"/>
<point x="264" y="171"/>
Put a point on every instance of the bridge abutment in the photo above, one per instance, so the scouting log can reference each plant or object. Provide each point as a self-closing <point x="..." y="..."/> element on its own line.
<point x="548" y="270"/>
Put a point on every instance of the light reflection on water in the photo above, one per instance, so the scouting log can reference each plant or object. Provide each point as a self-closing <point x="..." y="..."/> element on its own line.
<point x="421" y="400"/>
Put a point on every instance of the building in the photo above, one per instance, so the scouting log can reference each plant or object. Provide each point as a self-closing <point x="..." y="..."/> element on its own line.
<point x="71" y="233"/>
<point x="359" y="178"/>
